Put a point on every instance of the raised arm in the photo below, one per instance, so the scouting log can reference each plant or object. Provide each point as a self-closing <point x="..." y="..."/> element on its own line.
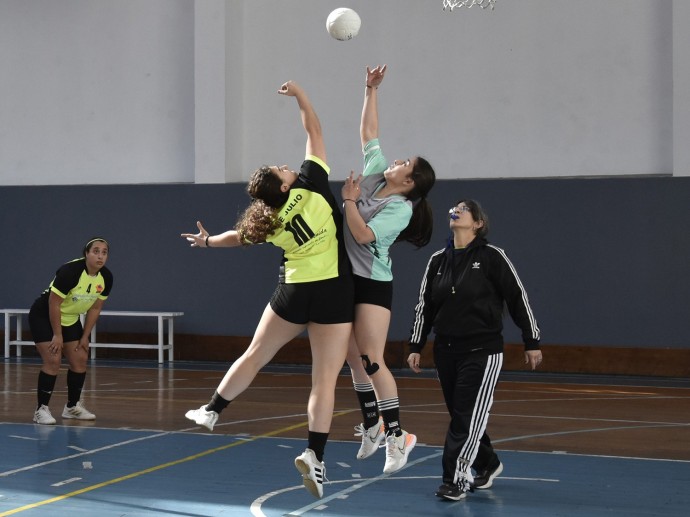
<point x="369" y="125"/>
<point x="315" y="145"/>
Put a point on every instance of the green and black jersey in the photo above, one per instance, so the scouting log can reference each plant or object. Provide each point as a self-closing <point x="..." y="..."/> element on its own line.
<point x="311" y="235"/>
<point x="78" y="289"/>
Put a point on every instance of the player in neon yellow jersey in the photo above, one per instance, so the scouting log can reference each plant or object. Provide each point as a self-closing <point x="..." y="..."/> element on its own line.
<point x="79" y="287"/>
<point x="297" y="212"/>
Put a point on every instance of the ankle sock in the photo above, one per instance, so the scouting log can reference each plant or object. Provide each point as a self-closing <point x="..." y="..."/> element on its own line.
<point x="217" y="403"/>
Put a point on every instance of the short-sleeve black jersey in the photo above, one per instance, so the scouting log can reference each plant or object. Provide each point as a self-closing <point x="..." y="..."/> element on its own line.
<point x="78" y="289"/>
<point x="311" y="235"/>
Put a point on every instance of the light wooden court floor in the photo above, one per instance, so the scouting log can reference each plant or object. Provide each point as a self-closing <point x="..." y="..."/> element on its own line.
<point x="570" y="444"/>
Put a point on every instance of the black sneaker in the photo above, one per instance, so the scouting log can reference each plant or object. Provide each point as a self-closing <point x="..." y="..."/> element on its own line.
<point x="450" y="491"/>
<point x="485" y="478"/>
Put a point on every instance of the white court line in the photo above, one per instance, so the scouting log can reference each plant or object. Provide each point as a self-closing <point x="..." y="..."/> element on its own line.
<point x="579" y="431"/>
<point x="670" y="424"/>
<point x="585" y="455"/>
<point x="57" y="460"/>
<point x="134" y="440"/>
<point x="632" y="398"/>
<point x="262" y="419"/>
<point x="98" y="391"/>
<point x="256" y="505"/>
<point x="66" y="482"/>
<point x="358" y="483"/>
<point x="546" y="417"/>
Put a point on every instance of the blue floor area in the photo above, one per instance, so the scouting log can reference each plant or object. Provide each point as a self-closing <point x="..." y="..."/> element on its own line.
<point x="88" y="471"/>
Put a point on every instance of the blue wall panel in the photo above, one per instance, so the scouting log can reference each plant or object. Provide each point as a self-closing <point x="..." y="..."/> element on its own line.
<point x="604" y="261"/>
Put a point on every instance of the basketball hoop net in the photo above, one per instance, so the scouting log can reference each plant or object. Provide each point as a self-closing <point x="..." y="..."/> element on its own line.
<point x="452" y="4"/>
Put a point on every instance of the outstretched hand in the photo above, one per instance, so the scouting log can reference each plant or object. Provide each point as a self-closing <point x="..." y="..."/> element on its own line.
<point x="375" y="75"/>
<point x="196" y="239"/>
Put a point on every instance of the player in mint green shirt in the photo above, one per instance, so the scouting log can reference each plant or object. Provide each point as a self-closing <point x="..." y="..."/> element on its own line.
<point x="385" y="205"/>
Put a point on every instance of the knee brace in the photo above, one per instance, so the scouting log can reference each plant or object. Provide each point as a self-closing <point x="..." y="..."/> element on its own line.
<point x="369" y="367"/>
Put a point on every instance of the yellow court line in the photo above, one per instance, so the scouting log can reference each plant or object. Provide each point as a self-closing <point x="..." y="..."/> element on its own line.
<point x="158" y="467"/>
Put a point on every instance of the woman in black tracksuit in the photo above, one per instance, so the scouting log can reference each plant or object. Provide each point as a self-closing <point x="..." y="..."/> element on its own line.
<point x="462" y="295"/>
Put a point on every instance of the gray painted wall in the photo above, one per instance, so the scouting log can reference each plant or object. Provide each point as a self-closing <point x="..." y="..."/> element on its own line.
<point x="157" y="91"/>
<point x="604" y="260"/>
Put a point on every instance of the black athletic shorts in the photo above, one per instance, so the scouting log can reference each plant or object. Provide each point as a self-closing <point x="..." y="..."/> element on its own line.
<point x="42" y="331"/>
<point x="374" y="292"/>
<point x="326" y="301"/>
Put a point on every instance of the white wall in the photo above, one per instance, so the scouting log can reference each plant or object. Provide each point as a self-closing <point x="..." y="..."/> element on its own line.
<point x="127" y="91"/>
<point x="681" y="88"/>
<point x="96" y="91"/>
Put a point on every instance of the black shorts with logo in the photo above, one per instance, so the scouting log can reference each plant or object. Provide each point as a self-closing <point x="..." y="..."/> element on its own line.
<point x="325" y="301"/>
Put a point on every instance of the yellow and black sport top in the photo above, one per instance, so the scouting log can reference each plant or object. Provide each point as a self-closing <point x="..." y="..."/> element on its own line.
<point x="78" y="289"/>
<point x="311" y="234"/>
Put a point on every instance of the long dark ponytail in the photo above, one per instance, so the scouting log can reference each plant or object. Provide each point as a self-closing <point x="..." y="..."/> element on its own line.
<point x="421" y="225"/>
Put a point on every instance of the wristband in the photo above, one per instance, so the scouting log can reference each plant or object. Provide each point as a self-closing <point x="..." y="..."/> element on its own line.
<point x="207" y="244"/>
<point x="374" y="87"/>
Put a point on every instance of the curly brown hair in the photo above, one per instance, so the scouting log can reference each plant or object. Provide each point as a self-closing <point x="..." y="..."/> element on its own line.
<point x="256" y="223"/>
<point x="260" y="219"/>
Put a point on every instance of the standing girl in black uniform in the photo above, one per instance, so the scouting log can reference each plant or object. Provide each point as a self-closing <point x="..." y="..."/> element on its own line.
<point x="461" y="298"/>
<point x="79" y="287"/>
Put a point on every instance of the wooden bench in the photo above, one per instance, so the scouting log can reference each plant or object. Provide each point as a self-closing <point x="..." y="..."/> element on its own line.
<point x="161" y="317"/>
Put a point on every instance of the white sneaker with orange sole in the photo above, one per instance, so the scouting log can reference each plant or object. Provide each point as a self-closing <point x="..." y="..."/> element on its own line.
<point x="398" y="448"/>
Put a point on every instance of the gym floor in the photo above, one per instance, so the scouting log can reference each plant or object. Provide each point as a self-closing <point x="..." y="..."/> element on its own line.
<point x="570" y="445"/>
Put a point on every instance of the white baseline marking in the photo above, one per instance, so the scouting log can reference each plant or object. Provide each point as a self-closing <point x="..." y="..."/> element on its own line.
<point x="23" y="437"/>
<point x="57" y="460"/>
<point x="343" y="494"/>
<point x="580" y="431"/>
<point x="65" y="482"/>
<point x="256" y="505"/>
